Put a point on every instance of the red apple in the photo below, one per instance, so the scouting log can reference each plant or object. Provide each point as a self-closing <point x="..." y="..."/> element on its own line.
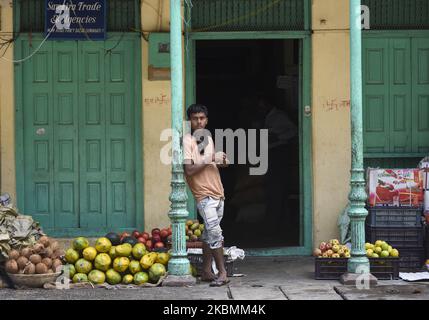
<point x="124" y="234"/>
<point x="322" y="246"/>
<point x="159" y="245"/>
<point x="170" y="231"/>
<point x="155" y="231"/>
<point x="164" y="233"/>
<point x="141" y="240"/>
<point x="149" y="244"/>
<point x="136" y="234"/>
<point x="156" y="238"/>
<point x="145" y="235"/>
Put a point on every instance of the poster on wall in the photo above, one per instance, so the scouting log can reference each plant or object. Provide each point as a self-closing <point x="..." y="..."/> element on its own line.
<point x="75" y="19"/>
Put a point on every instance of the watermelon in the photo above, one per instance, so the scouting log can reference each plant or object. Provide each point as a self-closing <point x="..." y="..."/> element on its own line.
<point x="114" y="238"/>
<point x="131" y="240"/>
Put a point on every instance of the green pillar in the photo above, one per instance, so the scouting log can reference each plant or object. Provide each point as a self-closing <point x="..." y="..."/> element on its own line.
<point x="179" y="263"/>
<point x="358" y="263"/>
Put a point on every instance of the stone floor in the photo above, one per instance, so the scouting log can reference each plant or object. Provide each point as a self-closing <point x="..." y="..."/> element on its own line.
<point x="274" y="278"/>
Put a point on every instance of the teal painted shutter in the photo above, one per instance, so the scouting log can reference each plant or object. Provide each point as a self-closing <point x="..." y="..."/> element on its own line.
<point x="79" y="134"/>
<point x="399" y="110"/>
<point x="376" y="95"/>
<point x="420" y="93"/>
<point x="38" y="134"/>
<point x="92" y="136"/>
<point x="120" y="152"/>
<point x="396" y="99"/>
<point x="65" y="139"/>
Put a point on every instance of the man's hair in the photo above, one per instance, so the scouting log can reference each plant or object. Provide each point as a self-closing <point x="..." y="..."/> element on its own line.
<point x="197" y="108"/>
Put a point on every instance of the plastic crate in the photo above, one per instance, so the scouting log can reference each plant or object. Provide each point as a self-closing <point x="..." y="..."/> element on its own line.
<point x="197" y="261"/>
<point x="333" y="268"/>
<point x="394" y="217"/>
<point x="411" y="259"/>
<point x="189" y="244"/>
<point x="397" y="237"/>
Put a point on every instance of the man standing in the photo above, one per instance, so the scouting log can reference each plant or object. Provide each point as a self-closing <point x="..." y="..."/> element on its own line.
<point x="202" y="175"/>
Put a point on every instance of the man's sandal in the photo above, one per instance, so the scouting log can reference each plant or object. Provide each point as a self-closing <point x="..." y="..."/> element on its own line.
<point x="219" y="283"/>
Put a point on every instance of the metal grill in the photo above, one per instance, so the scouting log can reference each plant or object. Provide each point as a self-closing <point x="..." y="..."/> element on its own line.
<point x="247" y="15"/>
<point x="398" y="14"/>
<point x="122" y="15"/>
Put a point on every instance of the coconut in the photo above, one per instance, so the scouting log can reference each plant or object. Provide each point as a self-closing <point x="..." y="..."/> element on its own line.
<point x="22" y="262"/>
<point x="45" y="241"/>
<point x="38" y="247"/>
<point x="54" y="245"/>
<point x="47" y="253"/>
<point x="50" y="271"/>
<point x="26" y="252"/>
<point x="30" y="268"/>
<point x="58" y="253"/>
<point x="35" y="259"/>
<point x="47" y="262"/>
<point x="11" y="266"/>
<point x="41" y="268"/>
<point x="56" y="263"/>
<point x="13" y="254"/>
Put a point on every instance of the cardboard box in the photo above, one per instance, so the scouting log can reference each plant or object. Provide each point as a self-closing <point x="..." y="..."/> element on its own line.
<point x="395" y="187"/>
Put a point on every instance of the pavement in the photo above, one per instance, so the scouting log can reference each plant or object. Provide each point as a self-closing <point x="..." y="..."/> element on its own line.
<point x="263" y="278"/>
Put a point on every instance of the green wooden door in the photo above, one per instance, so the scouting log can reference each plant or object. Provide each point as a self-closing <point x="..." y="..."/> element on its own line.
<point x="79" y="136"/>
<point x="396" y="99"/>
<point x="420" y="94"/>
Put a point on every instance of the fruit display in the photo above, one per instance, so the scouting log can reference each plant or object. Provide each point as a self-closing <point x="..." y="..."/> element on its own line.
<point x="128" y="262"/>
<point x="194" y="230"/>
<point x="380" y="249"/>
<point x="332" y="249"/>
<point x="44" y="257"/>
<point x="156" y="239"/>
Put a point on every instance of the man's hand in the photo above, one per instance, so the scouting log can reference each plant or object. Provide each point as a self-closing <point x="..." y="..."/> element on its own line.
<point x="221" y="160"/>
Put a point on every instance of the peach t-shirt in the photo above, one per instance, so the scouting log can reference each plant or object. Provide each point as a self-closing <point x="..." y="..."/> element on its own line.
<point x="205" y="183"/>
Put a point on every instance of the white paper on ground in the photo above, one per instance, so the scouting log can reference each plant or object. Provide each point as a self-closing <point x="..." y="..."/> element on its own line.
<point x="414" y="276"/>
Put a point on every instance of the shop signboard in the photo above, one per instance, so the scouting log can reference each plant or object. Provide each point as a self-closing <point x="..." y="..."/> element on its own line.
<point x="75" y="19"/>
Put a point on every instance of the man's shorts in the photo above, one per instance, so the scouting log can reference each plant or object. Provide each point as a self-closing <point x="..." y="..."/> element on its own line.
<point x="211" y="210"/>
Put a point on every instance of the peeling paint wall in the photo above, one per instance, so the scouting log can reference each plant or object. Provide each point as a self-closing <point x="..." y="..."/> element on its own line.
<point x="156" y="118"/>
<point x="7" y="114"/>
<point x="331" y="115"/>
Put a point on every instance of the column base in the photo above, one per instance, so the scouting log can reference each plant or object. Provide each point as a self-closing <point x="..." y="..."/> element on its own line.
<point x="358" y="279"/>
<point x="179" y="281"/>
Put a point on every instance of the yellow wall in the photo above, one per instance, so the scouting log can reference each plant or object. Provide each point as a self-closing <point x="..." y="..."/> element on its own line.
<point x="331" y="115"/>
<point x="156" y="118"/>
<point x="7" y="115"/>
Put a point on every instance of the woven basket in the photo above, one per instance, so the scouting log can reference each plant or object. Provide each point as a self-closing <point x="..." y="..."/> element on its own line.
<point x="33" y="280"/>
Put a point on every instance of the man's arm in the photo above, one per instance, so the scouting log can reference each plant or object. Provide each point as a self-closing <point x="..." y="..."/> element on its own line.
<point x="191" y="168"/>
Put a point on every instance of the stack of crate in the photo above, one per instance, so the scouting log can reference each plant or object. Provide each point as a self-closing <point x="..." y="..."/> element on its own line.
<point x="403" y="229"/>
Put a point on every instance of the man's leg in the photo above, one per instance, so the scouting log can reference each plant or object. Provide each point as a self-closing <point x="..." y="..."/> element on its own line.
<point x="220" y="264"/>
<point x="212" y="212"/>
<point x="207" y="274"/>
<point x="217" y="243"/>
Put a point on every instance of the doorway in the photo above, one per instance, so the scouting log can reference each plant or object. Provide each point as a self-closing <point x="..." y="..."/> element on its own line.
<point x="255" y="84"/>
